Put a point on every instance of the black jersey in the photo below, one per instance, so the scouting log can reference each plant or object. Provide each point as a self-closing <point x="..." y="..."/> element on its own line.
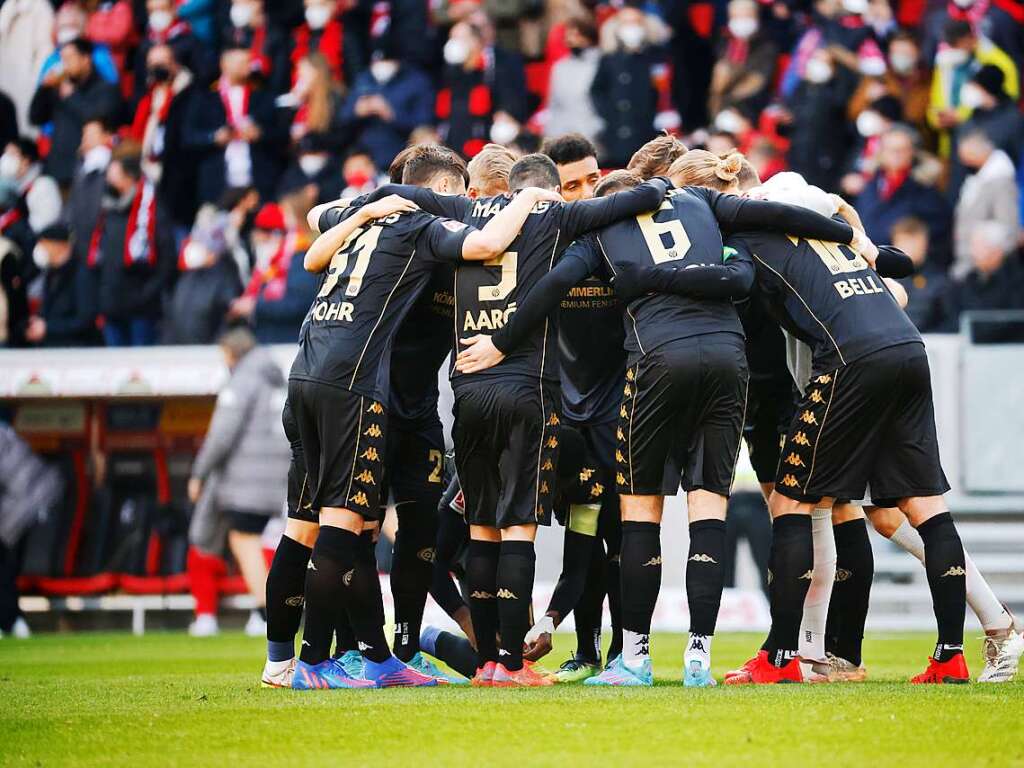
<point x="827" y="296"/>
<point x="590" y="345"/>
<point x="370" y="285"/>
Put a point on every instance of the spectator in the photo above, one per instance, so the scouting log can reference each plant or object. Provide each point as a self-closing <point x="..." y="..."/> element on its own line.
<point x="623" y="89"/>
<point x="16" y="243"/>
<point x="111" y="27"/>
<point x="70" y="23"/>
<point x="871" y="122"/>
<point x="26" y="29"/>
<point x="241" y="205"/>
<point x="132" y="251"/>
<point x="87" y="186"/>
<point x="165" y="27"/>
<point x="68" y="314"/>
<point x="482" y="85"/>
<point x="38" y="193"/>
<point x="159" y="126"/>
<point x="243" y="465"/>
<point x="926" y="288"/>
<point x="908" y="79"/>
<point x="207" y="285"/>
<point x="893" y="193"/>
<point x="963" y="54"/>
<point x="8" y="120"/>
<point x="569" y="107"/>
<point x="820" y="136"/>
<point x="200" y="16"/>
<point x="70" y="98"/>
<point x="231" y="130"/>
<point x="280" y="290"/>
<point x="248" y="27"/>
<point x="996" y="278"/>
<point x="360" y="174"/>
<point x="321" y="32"/>
<point x="742" y="76"/>
<point x="989" y="193"/>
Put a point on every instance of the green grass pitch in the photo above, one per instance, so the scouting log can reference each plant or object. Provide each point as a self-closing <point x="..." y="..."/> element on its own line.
<point x="168" y="700"/>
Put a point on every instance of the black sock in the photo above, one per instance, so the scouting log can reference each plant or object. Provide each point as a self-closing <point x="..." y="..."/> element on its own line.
<point x="411" y="573"/>
<point x="613" y="580"/>
<point x="457" y="653"/>
<point x="588" y="611"/>
<point x="333" y="557"/>
<point x="947" y="579"/>
<point x="482" y="581"/>
<point x="516" y="567"/>
<point x="576" y="548"/>
<point x="364" y="602"/>
<point x="366" y="557"/>
<point x="705" y="576"/>
<point x="285" y="582"/>
<point x="848" y="609"/>
<point x="641" y="574"/>
<point x="790" y="566"/>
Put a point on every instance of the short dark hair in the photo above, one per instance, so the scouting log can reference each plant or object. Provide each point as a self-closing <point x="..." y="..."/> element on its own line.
<point x="80" y="44"/>
<point x="584" y="24"/>
<point x="534" y="170"/>
<point x="570" y="148"/>
<point x="908" y="225"/>
<point x="955" y="31"/>
<point x="617" y="180"/>
<point x="431" y="160"/>
<point x="398" y="164"/>
<point x="27" y="148"/>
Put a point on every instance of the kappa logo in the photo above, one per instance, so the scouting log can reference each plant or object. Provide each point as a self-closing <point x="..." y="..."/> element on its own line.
<point x="653" y="561"/>
<point x="370" y="454"/>
<point x="479" y="594"/>
<point x="552" y="442"/>
<point x="789" y="481"/>
<point x="771" y="577"/>
<point x="794" y="460"/>
<point x="427" y="555"/>
<point x="346" y="579"/>
<point x="585" y="474"/>
<point x="627" y="391"/>
<point x="364" y="646"/>
<point x="620" y="479"/>
<point x="375" y="408"/>
<point x="553" y="420"/>
<point x="295" y="601"/>
<point x="619" y="434"/>
<point x="366" y="476"/>
<point x="507" y="594"/>
<point x="826" y="379"/>
<point x="816" y="397"/>
<point x="373" y="431"/>
<point x="544" y="487"/>
<point x="547" y="466"/>
<point x="807" y="576"/>
<point x="619" y="457"/>
<point x="359" y="498"/>
<point x="596" y="490"/>
<point x="630" y="376"/>
<point x="310" y="566"/>
<point x="697" y="645"/>
<point x="954" y="570"/>
<point x="808" y="418"/>
<point x="623" y="415"/>
<point x="702" y="558"/>
<point x="801" y="439"/>
<point x="842" y="574"/>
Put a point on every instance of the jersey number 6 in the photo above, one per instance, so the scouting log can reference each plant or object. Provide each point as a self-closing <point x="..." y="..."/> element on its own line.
<point x="654" y="233"/>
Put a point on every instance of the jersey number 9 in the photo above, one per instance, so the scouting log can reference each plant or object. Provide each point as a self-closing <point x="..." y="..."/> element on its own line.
<point x="509" y="263"/>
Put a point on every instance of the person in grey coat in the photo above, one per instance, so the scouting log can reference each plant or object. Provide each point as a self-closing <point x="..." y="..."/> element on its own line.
<point x="243" y="466"/>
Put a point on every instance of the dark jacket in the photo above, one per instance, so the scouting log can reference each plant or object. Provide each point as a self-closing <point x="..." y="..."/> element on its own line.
<point x="820" y="135"/>
<point x="911" y="199"/>
<point x="69" y="305"/>
<point x="411" y="97"/>
<point x="277" y="321"/>
<point x="1003" y="289"/>
<point x="1004" y="125"/>
<point x="926" y="292"/>
<point x="204" y="117"/>
<point x="95" y="98"/>
<point x="137" y="290"/>
<point x="14" y="296"/>
<point x="177" y="188"/>
<point x="625" y="98"/>
<point x="83" y="209"/>
<point x="200" y="302"/>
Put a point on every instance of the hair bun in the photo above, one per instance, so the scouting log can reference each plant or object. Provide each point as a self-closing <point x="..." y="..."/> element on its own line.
<point x="729" y="167"/>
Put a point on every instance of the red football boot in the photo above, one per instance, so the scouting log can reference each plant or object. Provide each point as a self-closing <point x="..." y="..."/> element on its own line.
<point x="484" y="676"/>
<point x="953" y="671"/>
<point x="760" y="671"/>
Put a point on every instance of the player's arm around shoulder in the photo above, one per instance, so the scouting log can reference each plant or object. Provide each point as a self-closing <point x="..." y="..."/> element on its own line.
<point x="322" y="250"/>
<point x="491" y="241"/>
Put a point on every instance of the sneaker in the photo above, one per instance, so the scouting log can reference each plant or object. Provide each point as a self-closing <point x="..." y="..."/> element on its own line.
<point x="944" y="673"/>
<point x="256" y="626"/>
<point x="618" y="674"/>
<point x="575" y="670"/>
<point x="425" y="666"/>
<point x="394" y="674"/>
<point x="278" y="674"/>
<point x="696" y="675"/>
<point x="1002" y="651"/>
<point x="352" y="662"/>
<point x="20" y="630"/>
<point x="526" y="677"/>
<point x="484" y="675"/>
<point x="327" y="674"/>
<point x="760" y="671"/>
<point x="205" y="625"/>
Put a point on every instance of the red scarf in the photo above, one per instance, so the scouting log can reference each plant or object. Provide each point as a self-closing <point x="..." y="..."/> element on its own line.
<point x="737" y="50"/>
<point x="889" y="183"/>
<point x="330" y="45"/>
<point x="972" y="14"/>
<point x="176" y="29"/>
<point x="140" y="230"/>
<point x="299" y="121"/>
<point x="142" y="128"/>
<point x="234" y="120"/>
<point x="8" y="218"/>
<point x="272" y="282"/>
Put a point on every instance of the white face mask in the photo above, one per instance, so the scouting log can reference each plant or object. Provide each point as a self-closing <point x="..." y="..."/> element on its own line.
<point x="963" y="3"/>
<point x="96" y="159"/>
<point x="9" y="163"/>
<point x="972" y="96"/>
<point x="317" y="16"/>
<point x="311" y="165"/>
<point x="265" y="251"/>
<point x="855" y="6"/>
<point x="67" y="34"/>
<point x="818" y="71"/>
<point x="41" y="257"/>
<point x="869" y="123"/>
<point x="729" y="121"/>
<point x="241" y="14"/>
<point x="632" y="36"/>
<point x="384" y="70"/>
<point x="951" y="57"/>
<point x="903" y="64"/>
<point x="873" y="66"/>
<point x="504" y="132"/>
<point x="456" y="52"/>
<point x="743" y="28"/>
<point x="160" y="20"/>
<point x="194" y="255"/>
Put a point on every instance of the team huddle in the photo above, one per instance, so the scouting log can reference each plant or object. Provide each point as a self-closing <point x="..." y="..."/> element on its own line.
<point x="615" y="338"/>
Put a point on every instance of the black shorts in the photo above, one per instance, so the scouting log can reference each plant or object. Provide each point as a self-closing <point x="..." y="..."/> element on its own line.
<point x="870" y="422"/>
<point x="770" y="406"/>
<point x="593" y="482"/>
<point x="342" y="437"/>
<point x="299" y="506"/>
<point x="246" y="522"/>
<point x="682" y="417"/>
<point x="414" y="462"/>
<point x="506" y="448"/>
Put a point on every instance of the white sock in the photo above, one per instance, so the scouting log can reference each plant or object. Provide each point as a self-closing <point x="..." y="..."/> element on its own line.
<point x="698" y="649"/>
<point x="983" y="602"/>
<point x="636" y="648"/>
<point x="812" y="627"/>
<point x="276" y="667"/>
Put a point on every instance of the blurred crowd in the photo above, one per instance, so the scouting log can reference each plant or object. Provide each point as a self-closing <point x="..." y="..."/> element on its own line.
<point x="158" y="156"/>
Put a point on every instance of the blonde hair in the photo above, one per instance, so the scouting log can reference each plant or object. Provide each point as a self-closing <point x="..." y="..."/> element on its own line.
<point x="489" y="169"/>
<point x="321" y="92"/>
<point x="617" y="180"/>
<point x="655" y="157"/>
<point x="700" y="168"/>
